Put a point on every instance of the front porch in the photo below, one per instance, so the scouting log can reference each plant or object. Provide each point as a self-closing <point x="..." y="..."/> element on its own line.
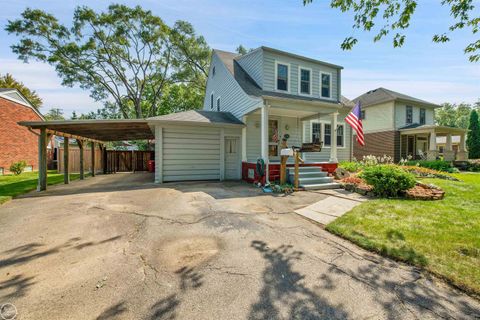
<point x="301" y="123"/>
<point x="420" y="143"/>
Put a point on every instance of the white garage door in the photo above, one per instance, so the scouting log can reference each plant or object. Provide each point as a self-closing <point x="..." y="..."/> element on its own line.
<point x="191" y="153"/>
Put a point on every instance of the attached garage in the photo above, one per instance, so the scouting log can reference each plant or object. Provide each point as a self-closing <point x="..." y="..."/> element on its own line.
<point x="197" y="145"/>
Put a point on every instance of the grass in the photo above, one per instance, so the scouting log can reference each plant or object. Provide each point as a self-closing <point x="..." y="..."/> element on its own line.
<point x="12" y="186"/>
<point x="442" y="236"/>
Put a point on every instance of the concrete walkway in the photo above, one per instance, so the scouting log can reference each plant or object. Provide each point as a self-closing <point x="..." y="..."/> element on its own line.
<point x="337" y="203"/>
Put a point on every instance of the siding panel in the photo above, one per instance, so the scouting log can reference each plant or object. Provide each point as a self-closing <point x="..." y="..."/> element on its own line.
<point x="252" y="63"/>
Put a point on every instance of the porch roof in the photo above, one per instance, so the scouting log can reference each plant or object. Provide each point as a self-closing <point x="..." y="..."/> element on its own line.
<point x="439" y="130"/>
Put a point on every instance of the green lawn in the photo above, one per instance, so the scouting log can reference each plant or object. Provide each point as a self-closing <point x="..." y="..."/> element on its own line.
<point x="11" y="186"/>
<point x="442" y="236"/>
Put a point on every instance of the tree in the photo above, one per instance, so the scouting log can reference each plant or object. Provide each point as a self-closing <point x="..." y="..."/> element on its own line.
<point x="116" y="54"/>
<point x="396" y="16"/>
<point x="241" y="50"/>
<point x="453" y="115"/>
<point x="54" y="114"/>
<point x="7" y="81"/>
<point x="473" y="136"/>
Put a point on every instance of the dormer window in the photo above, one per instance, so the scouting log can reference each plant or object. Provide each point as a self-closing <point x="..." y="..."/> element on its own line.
<point x="213" y="71"/>
<point x="218" y="104"/>
<point x="281" y="73"/>
<point x="211" y="101"/>
<point x="305" y="76"/>
<point x="326" y="85"/>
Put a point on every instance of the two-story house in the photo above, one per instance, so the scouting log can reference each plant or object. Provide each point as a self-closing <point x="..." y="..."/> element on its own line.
<point x="400" y="126"/>
<point x="276" y="93"/>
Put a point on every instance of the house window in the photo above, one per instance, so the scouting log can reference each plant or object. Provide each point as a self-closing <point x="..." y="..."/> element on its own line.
<point x="305" y="82"/>
<point x="273" y="138"/>
<point x="340" y="134"/>
<point x="218" y="104"/>
<point x="316" y="132"/>
<point x="409" y="116"/>
<point x="327" y="135"/>
<point x="282" y="77"/>
<point x="326" y="84"/>
<point x="211" y="101"/>
<point x="422" y="116"/>
<point x="362" y="115"/>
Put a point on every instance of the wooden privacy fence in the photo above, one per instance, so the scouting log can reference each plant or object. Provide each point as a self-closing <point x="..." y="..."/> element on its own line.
<point x="125" y="161"/>
<point x="74" y="160"/>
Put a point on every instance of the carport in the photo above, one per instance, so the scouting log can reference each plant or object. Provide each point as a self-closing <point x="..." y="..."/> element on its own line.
<point x="95" y="132"/>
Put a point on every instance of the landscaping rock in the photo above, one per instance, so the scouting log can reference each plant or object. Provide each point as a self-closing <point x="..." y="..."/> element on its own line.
<point x="423" y="191"/>
<point x="341" y="173"/>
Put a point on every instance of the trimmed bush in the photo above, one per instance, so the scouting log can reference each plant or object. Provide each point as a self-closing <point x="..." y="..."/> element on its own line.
<point x="388" y="180"/>
<point x="439" y="165"/>
<point x="18" y="167"/>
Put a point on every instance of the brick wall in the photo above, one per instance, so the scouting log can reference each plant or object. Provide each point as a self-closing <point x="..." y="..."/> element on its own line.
<point x="17" y="142"/>
<point x="379" y="144"/>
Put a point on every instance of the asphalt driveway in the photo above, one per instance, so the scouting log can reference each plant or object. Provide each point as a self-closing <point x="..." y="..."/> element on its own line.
<point x="120" y="247"/>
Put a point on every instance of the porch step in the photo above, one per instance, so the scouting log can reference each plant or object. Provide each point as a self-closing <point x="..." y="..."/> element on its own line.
<point x="305" y="169"/>
<point x="322" y="186"/>
<point x="314" y="180"/>
<point x="308" y="174"/>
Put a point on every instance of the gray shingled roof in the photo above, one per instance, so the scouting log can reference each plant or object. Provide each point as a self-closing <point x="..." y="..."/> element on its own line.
<point x="200" y="116"/>
<point x="250" y="86"/>
<point x="382" y="95"/>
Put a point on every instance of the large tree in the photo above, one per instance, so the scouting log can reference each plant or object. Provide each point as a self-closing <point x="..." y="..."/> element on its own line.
<point x="54" y="114"/>
<point x="454" y="115"/>
<point x="8" y="81"/>
<point x="118" y="55"/>
<point x="387" y="17"/>
<point x="473" y="136"/>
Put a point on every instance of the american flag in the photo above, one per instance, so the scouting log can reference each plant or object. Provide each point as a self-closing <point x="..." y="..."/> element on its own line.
<point x="354" y="119"/>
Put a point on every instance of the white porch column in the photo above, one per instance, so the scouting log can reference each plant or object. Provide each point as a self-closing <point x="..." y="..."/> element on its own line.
<point x="244" y="140"/>
<point x="462" y="153"/>
<point x="264" y="134"/>
<point x="333" y="139"/>
<point x="158" y="154"/>
<point x="448" y="154"/>
<point x="448" y="146"/>
<point x="432" y="150"/>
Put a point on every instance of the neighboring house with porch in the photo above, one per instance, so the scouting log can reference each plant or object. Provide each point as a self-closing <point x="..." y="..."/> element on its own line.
<point x="402" y="126"/>
<point x="16" y="142"/>
<point x="275" y="93"/>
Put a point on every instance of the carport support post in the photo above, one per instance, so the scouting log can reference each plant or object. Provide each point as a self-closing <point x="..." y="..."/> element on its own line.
<point x="66" y="171"/>
<point x="93" y="159"/>
<point x="158" y="154"/>
<point x="82" y="169"/>
<point x="104" y="157"/>
<point x="42" y="160"/>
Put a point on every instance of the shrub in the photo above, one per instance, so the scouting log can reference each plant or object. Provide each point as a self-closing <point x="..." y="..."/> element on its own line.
<point x="474" y="166"/>
<point x="388" y="180"/>
<point x="438" y="165"/>
<point x="18" y="167"/>
<point x="350" y="166"/>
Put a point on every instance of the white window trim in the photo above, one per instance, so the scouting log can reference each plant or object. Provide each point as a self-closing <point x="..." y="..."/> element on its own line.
<point x="276" y="76"/>
<point x="323" y="122"/>
<point x="300" y="68"/>
<point x="217" y="106"/>
<point x="331" y="79"/>
<point x="212" y="99"/>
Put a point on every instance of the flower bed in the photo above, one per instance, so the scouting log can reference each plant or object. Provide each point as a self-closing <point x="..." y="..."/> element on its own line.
<point x="428" y="173"/>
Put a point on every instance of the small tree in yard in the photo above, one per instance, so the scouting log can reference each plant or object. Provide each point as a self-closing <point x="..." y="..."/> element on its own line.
<point x="388" y="180"/>
<point x="18" y="167"/>
<point x="473" y="136"/>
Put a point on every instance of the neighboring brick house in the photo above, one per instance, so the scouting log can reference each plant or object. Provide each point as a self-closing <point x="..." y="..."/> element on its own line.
<point x="402" y="126"/>
<point x="17" y="142"/>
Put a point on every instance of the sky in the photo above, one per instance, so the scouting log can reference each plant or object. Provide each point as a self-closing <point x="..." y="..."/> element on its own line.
<point x="433" y="72"/>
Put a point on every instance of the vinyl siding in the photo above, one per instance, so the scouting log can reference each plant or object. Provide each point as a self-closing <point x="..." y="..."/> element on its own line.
<point x="343" y="154"/>
<point x="379" y="117"/>
<point x="252" y="64"/>
<point x="232" y="98"/>
<point x="191" y="153"/>
<point x="269" y="59"/>
<point x="401" y="114"/>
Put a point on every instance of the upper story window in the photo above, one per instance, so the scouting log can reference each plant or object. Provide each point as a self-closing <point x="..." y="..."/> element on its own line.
<point x="282" y="76"/>
<point x="305" y="76"/>
<point x="423" y="116"/>
<point x="211" y="101"/>
<point x="218" y="104"/>
<point x="362" y="115"/>
<point x="409" y="115"/>
<point x="326" y="85"/>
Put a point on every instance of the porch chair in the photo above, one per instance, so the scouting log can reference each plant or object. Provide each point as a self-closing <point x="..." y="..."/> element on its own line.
<point x="422" y="154"/>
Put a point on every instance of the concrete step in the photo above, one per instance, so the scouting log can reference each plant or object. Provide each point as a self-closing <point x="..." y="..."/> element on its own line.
<point x="322" y="186"/>
<point x="305" y="169"/>
<point x="309" y="174"/>
<point x="314" y="180"/>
